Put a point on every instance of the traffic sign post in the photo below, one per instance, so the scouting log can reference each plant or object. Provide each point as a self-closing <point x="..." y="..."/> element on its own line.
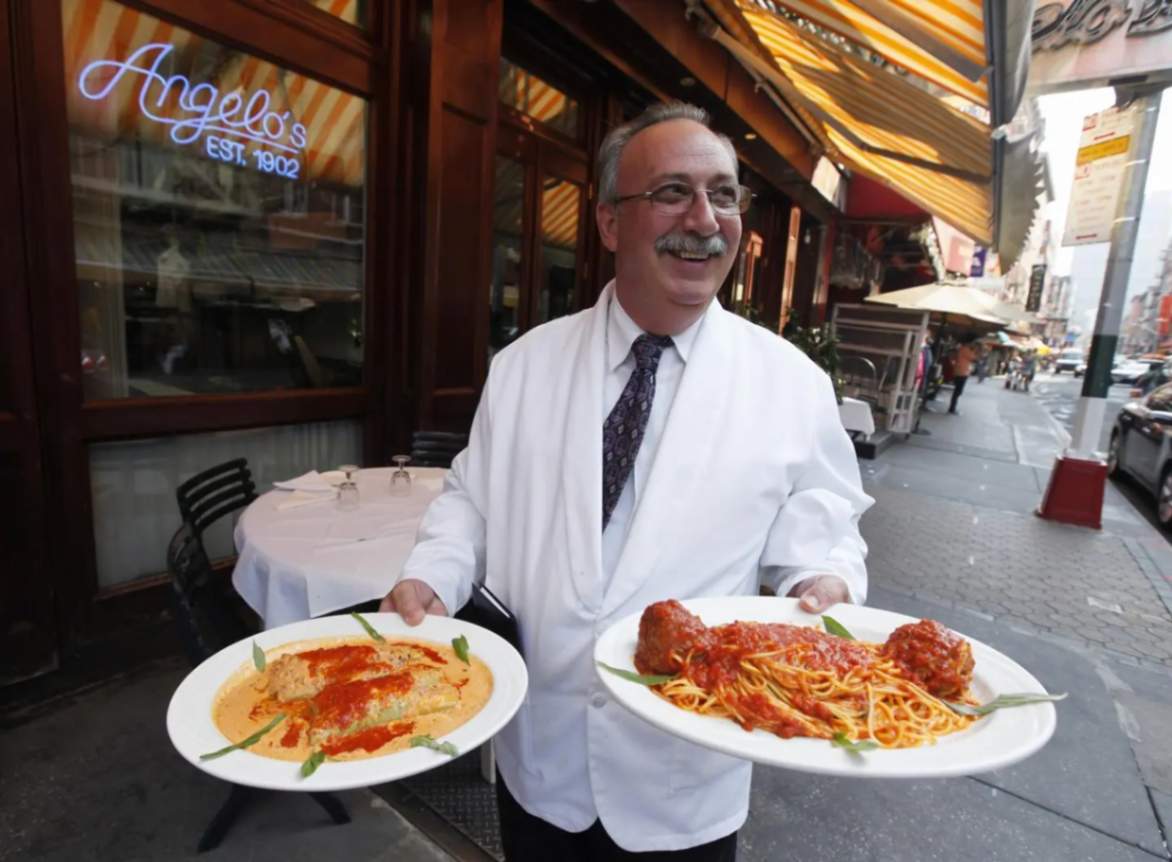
<point x="1075" y="492"/>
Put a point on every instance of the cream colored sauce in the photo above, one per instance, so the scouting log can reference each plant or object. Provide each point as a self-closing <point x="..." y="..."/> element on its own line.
<point x="243" y="706"/>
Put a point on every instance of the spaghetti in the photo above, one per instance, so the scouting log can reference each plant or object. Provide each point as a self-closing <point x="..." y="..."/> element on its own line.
<point x="798" y="681"/>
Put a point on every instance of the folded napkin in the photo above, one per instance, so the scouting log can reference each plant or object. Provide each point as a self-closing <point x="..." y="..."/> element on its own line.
<point x="312" y="481"/>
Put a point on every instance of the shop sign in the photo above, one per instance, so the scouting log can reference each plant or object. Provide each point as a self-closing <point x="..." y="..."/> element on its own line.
<point x="239" y="128"/>
<point x="1037" y="283"/>
<point x="1086" y="43"/>
<point x="1098" y="176"/>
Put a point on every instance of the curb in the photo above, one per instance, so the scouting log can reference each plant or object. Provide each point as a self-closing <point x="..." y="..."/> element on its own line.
<point x="1161" y="580"/>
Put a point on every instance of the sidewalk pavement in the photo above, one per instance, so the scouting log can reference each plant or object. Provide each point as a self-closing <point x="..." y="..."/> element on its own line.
<point x="952" y="537"/>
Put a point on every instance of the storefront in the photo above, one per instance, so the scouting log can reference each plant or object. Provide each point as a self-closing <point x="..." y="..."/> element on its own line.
<point x="296" y="232"/>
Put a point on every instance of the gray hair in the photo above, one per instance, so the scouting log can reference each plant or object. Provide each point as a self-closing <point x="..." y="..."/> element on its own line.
<point x="611" y="151"/>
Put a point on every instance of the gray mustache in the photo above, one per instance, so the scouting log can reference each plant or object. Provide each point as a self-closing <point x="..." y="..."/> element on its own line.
<point x="692" y="243"/>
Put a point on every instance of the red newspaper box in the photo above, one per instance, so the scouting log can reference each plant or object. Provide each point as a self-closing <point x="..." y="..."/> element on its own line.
<point x="1074" y="494"/>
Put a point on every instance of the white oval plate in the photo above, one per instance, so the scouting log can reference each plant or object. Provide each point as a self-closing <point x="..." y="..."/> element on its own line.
<point x="996" y="740"/>
<point x="192" y="731"/>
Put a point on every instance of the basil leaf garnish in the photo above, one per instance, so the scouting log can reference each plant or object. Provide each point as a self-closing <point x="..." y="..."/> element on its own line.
<point x="842" y="741"/>
<point x="834" y="627"/>
<point x="245" y="743"/>
<point x="312" y="763"/>
<point x="642" y="679"/>
<point x="258" y="657"/>
<point x="369" y="629"/>
<point x="425" y="741"/>
<point x="1003" y="701"/>
<point x="460" y="645"/>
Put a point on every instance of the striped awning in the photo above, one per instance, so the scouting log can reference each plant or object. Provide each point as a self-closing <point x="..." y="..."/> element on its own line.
<point x="870" y="118"/>
<point x="942" y="42"/>
<point x="335" y="121"/>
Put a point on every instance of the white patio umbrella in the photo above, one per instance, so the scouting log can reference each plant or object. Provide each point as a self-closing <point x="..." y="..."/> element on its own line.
<point x="952" y="304"/>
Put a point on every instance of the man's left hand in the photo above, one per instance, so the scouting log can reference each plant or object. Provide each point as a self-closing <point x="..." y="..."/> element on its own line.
<point x="817" y="594"/>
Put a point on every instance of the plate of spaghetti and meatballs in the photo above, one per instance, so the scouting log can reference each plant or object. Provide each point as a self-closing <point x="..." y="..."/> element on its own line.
<point x="861" y="692"/>
<point x="345" y="701"/>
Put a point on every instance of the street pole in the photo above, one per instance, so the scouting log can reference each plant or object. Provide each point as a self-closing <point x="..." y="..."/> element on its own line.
<point x="1088" y="417"/>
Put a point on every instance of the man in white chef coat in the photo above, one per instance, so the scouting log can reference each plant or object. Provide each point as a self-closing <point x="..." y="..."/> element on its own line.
<point x="654" y="446"/>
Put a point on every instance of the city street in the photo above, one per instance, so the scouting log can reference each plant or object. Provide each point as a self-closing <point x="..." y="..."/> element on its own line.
<point x="1059" y="394"/>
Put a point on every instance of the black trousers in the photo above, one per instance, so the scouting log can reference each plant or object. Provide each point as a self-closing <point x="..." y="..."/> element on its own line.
<point x="957" y="388"/>
<point x="530" y="839"/>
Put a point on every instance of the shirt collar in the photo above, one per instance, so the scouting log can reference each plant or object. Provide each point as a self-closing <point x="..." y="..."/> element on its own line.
<point x="622" y="332"/>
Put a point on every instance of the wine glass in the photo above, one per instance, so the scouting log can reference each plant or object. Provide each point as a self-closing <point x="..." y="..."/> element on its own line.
<point x="348" y="490"/>
<point x="401" y="479"/>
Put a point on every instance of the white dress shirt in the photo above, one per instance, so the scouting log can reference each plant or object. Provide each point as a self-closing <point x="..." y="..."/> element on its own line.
<point x="621" y="332"/>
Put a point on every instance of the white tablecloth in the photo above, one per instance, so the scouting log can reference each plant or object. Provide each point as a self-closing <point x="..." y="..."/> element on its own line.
<point x="301" y="562"/>
<point x="856" y="416"/>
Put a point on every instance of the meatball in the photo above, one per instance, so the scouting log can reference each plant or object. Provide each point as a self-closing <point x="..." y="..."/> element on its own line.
<point x="665" y="628"/>
<point x="940" y="660"/>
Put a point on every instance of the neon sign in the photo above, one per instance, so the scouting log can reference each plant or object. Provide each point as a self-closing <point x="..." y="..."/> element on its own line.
<point x="228" y="123"/>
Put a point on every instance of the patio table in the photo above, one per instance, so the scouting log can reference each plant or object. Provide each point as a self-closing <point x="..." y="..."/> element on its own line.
<point x="297" y="563"/>
<point x="856" y="417"/>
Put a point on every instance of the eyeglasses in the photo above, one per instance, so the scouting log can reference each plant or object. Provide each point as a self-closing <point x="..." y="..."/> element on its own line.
<point x="676" y="198"/>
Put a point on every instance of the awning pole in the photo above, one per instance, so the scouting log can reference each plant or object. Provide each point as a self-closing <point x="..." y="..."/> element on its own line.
<point x="1088" y="417"/>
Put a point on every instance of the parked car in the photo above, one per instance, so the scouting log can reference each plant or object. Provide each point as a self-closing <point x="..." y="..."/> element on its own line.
<point x="1131" y="370"/>
<point x="1141" y="446"/>
<point x="1154" y="379"/>
<point x="1068" y="360"/>
<point x="1080" y="369"/>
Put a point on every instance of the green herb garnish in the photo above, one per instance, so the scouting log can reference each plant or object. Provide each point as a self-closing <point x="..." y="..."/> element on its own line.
<point x="258" y="656"/>
<point x="834" y="627"/>
<point x="460" y="645"/>
<point x="312" y="763"/>
<point x="245" y="743"/>
<point x="369" y="629"/>
<point x="841" y="741"/>
<point x="425" y="741"/>
<point x="642" y="679"/>
<point x="1002" y="701"/>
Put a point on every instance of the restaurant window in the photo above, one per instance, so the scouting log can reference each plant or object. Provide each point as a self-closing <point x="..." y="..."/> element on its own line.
<point x="351" y="11"/>
<point x="219" y="212"/>
<point x="507" y="221"/>
<point x="530" y="95"/>
<point x="133" y="484"/>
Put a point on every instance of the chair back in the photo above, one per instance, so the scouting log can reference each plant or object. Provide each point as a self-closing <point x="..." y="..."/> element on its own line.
<point x="436" y="448"/>
<point x="199" y="600"/>
<point x="208" y="496"/>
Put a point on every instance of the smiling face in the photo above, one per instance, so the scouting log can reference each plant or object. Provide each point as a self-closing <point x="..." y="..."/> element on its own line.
<point x="668" y="267"/>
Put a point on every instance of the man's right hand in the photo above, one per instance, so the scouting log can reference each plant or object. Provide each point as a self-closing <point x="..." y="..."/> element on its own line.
<point x="412" y="599"/>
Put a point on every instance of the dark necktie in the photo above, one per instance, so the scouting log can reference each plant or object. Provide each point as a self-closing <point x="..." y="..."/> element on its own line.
<point x="622" y="433"/>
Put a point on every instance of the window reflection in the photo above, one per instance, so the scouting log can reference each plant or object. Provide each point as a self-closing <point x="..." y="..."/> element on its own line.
<point x="507" y="214"/>
<point x="351" y="11"/>
<point x="534" y="97"/>
<point x="219" y="213"/>
<point x="560" y="203"/>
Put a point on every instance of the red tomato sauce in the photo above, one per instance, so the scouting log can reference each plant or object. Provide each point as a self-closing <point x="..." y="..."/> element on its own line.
<point x="371" y="739"/>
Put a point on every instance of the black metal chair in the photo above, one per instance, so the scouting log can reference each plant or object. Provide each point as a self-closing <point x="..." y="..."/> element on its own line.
<point x="436" y="448"/>
<point x="208" y="496"/>
<point x="203" y="608"/>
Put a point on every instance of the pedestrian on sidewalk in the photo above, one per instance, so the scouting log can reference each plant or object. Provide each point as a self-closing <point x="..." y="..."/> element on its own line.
<point x="1029" y="365"/>
<point x="591" y="424"/>
<point x="962" y="365"/>
<point x="982" y="364"/>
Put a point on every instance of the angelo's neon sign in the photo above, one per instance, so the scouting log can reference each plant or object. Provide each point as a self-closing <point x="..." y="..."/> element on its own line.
<point x="206" y="112"/>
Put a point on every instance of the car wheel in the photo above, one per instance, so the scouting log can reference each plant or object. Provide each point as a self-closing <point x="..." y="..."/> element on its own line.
<point x="1113" y="454"/>
<point x="1164" y="498"/>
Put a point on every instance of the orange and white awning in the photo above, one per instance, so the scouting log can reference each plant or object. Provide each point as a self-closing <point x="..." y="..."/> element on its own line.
<point x="867" y="115"/>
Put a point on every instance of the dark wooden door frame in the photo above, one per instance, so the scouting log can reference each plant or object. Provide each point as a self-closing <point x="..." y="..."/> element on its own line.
<point x="28" y="635"/>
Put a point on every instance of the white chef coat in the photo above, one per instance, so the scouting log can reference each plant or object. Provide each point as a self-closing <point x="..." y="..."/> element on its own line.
<point x="752" y="478"/>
